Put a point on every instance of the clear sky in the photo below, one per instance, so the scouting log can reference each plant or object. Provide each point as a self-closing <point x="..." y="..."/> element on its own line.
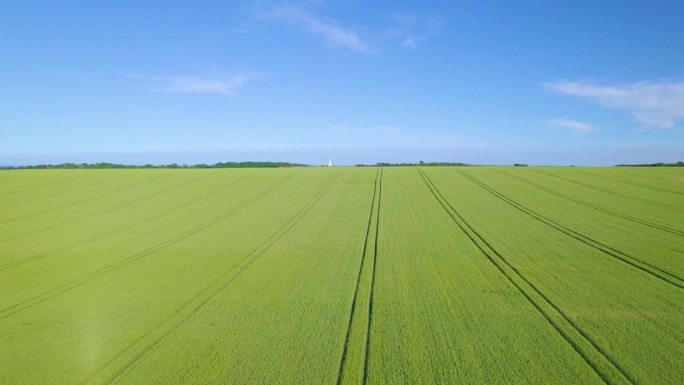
<point x="496" y="82"/>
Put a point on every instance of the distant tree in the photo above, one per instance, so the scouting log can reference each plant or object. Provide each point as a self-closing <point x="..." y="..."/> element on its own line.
<point x="660" y="164"/>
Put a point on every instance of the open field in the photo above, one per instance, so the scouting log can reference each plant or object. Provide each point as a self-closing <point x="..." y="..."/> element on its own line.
<point x="399" y="275"/>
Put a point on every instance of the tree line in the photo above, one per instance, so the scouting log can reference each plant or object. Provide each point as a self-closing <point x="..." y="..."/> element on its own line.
<point x="678" y="164"/>
<point x="103" y="165"/>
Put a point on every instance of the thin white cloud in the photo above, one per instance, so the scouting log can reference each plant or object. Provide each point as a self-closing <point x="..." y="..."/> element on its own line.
<point x="413" y="30"/>
<point x="391" y="136"/>
<point x="572" y="125"/>
<point x="195" y="84"/>
<point x="386" y="130"/>
<point x="330" y="30"/>
<point x="656" y="103"/>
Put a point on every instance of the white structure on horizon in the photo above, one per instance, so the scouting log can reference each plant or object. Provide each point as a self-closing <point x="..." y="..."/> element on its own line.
<point x="330" y="163"/>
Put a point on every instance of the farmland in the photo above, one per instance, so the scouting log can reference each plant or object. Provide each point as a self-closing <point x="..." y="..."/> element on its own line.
<point x="415" y="275"/>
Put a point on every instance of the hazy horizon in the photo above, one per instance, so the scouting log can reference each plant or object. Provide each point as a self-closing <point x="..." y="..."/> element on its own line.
<point x="321" y="157"/>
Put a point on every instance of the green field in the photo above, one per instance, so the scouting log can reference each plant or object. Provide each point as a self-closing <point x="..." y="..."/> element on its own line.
<point x="399" y="275"/>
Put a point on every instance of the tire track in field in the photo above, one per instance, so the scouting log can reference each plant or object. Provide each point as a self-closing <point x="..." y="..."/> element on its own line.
<point x="124" y="227"/>
<point x="633" y="261"/>
<point x="635" y="183"/>
<point x="18" y="307"/>
<point x="20" y="181"/>
<point x="41" y="186"/>
<point x="603" y="364"/>
<point x="366" y="364"/>
<point x="55" y="208"/>
<point x="596" y="207"/>
<point x="63" y="192"/>
<point x="140" y="347"/>
<point x="610" y="191"/>
<point x="644" y="176"/>
<point x="352" y="313"/>
<point x="111" y="209"/>
<point x="50" y="227"/>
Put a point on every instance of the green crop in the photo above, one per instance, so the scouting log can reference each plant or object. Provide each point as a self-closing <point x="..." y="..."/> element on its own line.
<point x="396" y="275"/>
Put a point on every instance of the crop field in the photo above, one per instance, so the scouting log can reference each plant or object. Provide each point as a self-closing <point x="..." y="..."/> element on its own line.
<point x="366" y="275"/>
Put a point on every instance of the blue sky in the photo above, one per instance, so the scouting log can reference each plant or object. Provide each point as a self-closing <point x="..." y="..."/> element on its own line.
<point x="495" y="82"/>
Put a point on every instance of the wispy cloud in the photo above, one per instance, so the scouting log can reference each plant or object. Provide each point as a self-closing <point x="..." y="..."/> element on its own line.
<point x="386" y="130"/>
<point x="572" y="125"/>
<point x="413" y="30"/>
<point x="656" y="103"/>
<point x="195" y="84"/>
<point x="383" y="130"/>
<point x="393" y="136"/>
<point x="330" y="30"/>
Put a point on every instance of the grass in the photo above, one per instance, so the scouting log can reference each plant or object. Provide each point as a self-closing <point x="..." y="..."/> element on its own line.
<point x="489" y="275"/>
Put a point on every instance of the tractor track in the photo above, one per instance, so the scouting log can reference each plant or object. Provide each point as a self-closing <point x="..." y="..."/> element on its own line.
<point x="635" y="262"/>
<point x="122" y="228"/>
<point x="644" y="266"/>
<point x="352" y="312"/>
<point x="366" y="362"/>
<point x="596" y="207"/>
<point x="634" y="183"/>
<point x="91" y="198"/>
<point x="62" y="192"/>
<point x="611" y="192"/>
<point x="26" y="304"/>
<point x="183" y="313"/>
<point x="107" y="211"/>
<point x="19" y="182"/>
<point x="40" y="186"/>
<point x="608" y="369"/>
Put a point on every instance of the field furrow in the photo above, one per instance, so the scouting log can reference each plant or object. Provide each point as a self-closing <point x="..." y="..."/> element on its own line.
<point x="630" y="315"/>
<point x="354" y="361"/>
<point x="646" y="267"/>
<point x="48" y="185"/>
<point x="283" y="319"/>
<point x="123" y="360"/>
<point x="596" y="207"/>
<point x="67" y="192"/>
<point x="634" y="183"/>
<point x="605" y="366"/>
<point x="369" y="328"/>
<point x="25" y="304"/>
<point x="444" y="313"/>
<point x="125" y="227"/>
<point x="654" y="246"/>
<point x="338" y="275"/>
<point x="88" y="215"/>
<point x="613" y="191"/>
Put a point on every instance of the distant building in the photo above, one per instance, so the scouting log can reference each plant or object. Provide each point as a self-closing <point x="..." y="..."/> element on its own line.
<point x="330" y="164"/>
